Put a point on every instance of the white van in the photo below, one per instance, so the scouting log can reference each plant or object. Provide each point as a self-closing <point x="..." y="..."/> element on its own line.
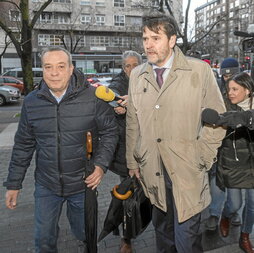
<point x="17" y="72"/>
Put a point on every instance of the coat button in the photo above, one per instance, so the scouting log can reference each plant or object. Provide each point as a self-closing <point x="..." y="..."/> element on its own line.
<point x="157" y="173"/>
<point x="159" y="140"/>
<point x="157" y="106"/>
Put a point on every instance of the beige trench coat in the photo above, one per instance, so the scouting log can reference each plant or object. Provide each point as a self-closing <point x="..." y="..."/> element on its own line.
<point x="164" y="125"/>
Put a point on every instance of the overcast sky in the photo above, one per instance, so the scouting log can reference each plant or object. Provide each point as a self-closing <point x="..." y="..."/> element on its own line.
<point x="194" y="4"/>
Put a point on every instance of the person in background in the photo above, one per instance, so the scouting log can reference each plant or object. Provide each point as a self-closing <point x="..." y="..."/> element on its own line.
<point x="120" y="85"/>
<point x="55" y="119"/>
<point x="167" y="148"/>
<point x="235" y="163"/>
<point x="229" y="67"/>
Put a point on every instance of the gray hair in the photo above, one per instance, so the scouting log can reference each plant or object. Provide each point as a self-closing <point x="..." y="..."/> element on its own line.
<point x="131" y="53"/>
<point x="53" y="49"/>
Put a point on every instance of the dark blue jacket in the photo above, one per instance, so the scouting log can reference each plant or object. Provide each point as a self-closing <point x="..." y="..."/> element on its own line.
<point x="58" y="134"/>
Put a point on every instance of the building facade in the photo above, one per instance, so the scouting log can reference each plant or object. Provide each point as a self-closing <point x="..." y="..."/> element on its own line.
<point x="96" y="32"/>
<point x="226" y="17"/>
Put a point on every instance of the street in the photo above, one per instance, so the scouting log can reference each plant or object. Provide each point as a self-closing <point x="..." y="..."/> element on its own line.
<point x="16" y="227"/>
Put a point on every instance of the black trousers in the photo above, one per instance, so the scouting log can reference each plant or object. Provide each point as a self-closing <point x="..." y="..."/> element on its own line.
<point x="172" y="236"/>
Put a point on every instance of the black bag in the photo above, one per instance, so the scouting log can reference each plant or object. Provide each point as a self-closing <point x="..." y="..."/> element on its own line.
<point x="137" y="212"/>
<point x="128" y="206"/>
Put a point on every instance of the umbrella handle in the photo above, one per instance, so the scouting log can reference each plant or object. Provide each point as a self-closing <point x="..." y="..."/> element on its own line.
<point x="121" y="196"/>
<point x="89" y="145"/>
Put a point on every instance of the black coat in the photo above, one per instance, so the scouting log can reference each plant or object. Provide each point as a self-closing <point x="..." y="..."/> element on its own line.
<point x="236" y="159"/>
<point x="120" y="85"/>
<point x="58" y="134"/>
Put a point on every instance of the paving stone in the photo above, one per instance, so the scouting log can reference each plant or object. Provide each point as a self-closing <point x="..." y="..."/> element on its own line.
<point x="16" y="226"/>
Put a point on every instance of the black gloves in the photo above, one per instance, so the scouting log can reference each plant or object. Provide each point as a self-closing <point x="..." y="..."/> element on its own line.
<point x="236" y="119"/>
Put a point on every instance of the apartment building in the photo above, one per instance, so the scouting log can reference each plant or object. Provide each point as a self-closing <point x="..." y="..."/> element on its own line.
<point x="96" y="32"/>
<point x="226" y="16"/>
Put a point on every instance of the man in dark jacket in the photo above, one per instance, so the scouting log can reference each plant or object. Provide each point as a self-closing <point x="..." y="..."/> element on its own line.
<point x="120" y="85"/>
<point x="54" y="122"/>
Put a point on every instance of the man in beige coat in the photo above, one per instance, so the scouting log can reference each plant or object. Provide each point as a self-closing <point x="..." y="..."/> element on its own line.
<point x="167" y="146"/>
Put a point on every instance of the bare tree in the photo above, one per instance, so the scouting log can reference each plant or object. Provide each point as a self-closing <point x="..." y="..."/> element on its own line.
<point x="19" y="29"/>
<point x="166" y="7"/>
<point x="7" y="42"/>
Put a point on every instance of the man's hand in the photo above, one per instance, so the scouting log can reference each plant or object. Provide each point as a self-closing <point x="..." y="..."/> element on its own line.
<point x="124" y="101"/>
<point x="95" y="178"/>
<point x="134" y="172"/>
<point x="120" y="110"/>
<point x="11" y="197"/>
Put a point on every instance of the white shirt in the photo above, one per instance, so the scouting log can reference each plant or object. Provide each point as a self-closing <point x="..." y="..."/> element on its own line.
<point x="167" y="66"/>
<point x="58" y="99"/>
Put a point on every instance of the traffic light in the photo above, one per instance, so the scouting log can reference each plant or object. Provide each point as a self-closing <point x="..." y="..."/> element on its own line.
<point x="248" y="45"/>
<point x="247" y="58"/>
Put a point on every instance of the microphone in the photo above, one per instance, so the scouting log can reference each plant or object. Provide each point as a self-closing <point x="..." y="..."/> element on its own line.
<point x="106" y="94"/>
<point x="232" y="119"/>
<point x="210" y="116"/>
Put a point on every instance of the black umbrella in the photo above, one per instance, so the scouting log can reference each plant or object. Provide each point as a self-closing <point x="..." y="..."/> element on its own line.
<point x="91" y="204"/>
<point x="130" y="207"/>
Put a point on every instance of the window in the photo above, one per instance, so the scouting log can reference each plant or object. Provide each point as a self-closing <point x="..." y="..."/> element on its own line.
<point x="85" y="19"/>
<point x="49" y="40"/>
<point x="100" y="3"/>
<point x="14" y="15"/>
<point x="62" y="18"/>
<point x="100" y="20"/>
<point x="119" y="3"/>
<point x="99" y="41"/>
<point x="136" y="21"/>
<point x="62" y="1"/>
<point x="82" y="41"/>
<point x="119" y="20"/>
<point x="84" y="2"/>
<point x="46" y="17"/>
<point x="120" y="41"/>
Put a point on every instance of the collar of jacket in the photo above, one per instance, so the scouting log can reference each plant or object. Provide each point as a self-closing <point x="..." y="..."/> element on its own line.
<point x="180" y="62"/>
<point x="77" y="83"/>
<point x="121" y="76"/>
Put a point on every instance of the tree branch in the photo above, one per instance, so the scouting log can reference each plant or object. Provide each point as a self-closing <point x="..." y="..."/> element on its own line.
<point x="12" y="37"/>
<point x="10" y="2"/>
<point x="210" y="29"/>
<point x="7" y="43"/>
<point x="39" y="12"/>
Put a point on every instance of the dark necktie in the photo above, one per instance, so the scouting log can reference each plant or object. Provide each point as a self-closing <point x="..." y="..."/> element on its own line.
<point x="159" y="77"/>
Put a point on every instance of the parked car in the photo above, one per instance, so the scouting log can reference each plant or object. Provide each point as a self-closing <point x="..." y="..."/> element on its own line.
<point x="8" y="94"/>
<point x="18" y="73"/>
<point x="11" y="81"/>
<point x="94" y="81"/>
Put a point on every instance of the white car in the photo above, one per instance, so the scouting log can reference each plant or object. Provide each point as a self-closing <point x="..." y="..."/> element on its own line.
<point x="8" y="94"/>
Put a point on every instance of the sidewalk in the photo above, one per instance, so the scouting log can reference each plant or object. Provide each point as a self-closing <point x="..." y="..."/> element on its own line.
<point x="16" y="227"/>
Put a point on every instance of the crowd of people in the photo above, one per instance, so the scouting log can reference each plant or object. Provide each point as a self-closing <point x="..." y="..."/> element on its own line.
<point x="154" y="131"/>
